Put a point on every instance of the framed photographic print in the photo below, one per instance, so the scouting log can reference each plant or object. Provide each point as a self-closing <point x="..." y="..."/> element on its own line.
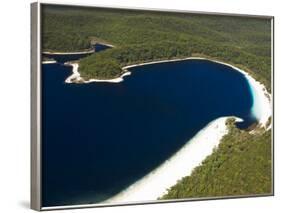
<point x="134" y="106"/>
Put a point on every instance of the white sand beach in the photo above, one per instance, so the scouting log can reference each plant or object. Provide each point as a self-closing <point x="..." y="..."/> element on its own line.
<point x="77" y="52"/>
<point x="75" y="77"/>
<point x="181" y="164"/>
<point x="113" y="80"/>
<point x="105" y="44"/>
<point x="262" y="108"/>
<point x="75" y="74"/>
<point x="49" y="62"/>
<point x="70" y="53"/>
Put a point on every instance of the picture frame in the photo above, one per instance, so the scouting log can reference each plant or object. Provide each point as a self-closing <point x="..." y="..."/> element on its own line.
<point x="39" y="53"/>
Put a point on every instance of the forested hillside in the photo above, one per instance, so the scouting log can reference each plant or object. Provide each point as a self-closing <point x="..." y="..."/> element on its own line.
<point x="241" y="165"/>
<point x="142" y="36"/>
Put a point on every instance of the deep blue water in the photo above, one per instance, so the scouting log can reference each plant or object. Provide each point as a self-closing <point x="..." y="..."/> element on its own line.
<point x="99" y="138"/>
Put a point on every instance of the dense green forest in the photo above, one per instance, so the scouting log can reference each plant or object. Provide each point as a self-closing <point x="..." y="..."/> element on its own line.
<point x="241" y="165"/>
<point x="142" y="36"/>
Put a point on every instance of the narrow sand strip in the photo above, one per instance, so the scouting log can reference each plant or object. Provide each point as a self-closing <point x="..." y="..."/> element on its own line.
<point x="78" y="52"/>
<point x="113" y="80"/>
<point x="105" y="44"/>
<point x="181" y="164"/>
<point x="49" y="62"/>
<point x="70" y="53"/>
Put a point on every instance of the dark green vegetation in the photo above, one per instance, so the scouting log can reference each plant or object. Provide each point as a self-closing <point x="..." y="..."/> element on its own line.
<point x="241" y="165"/>
<point x="65" y="43"/>
<point x="140" y="36"/>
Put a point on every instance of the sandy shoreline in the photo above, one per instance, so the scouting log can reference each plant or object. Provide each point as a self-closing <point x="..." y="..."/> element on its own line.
<point x="113" y="80"/>
<point x="75" y="76"/>
<point x="262" y="99"/>
<point x="70" y="53"/>
<point x="181" y="164"/>
<point x="105" y="44"/>
<point x="78" y="52"/>
<point x="49" y="62"/>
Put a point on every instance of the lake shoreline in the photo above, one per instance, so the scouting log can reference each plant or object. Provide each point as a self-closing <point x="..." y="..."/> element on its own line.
<point x="49" y="62"/>
<point x="262" y="98"/>
<point x="70" y="53"/>
<point x="155" y="184"/>
<point x="86" y="51"/>
<point x="181" y="164"/>
<point x="76" y="78"/>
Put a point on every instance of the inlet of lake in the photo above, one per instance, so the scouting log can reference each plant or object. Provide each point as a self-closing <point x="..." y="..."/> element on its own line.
<point x="99" y="138"/>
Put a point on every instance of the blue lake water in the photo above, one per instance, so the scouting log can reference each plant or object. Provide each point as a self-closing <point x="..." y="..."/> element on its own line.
<point x="99" y="138"/>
